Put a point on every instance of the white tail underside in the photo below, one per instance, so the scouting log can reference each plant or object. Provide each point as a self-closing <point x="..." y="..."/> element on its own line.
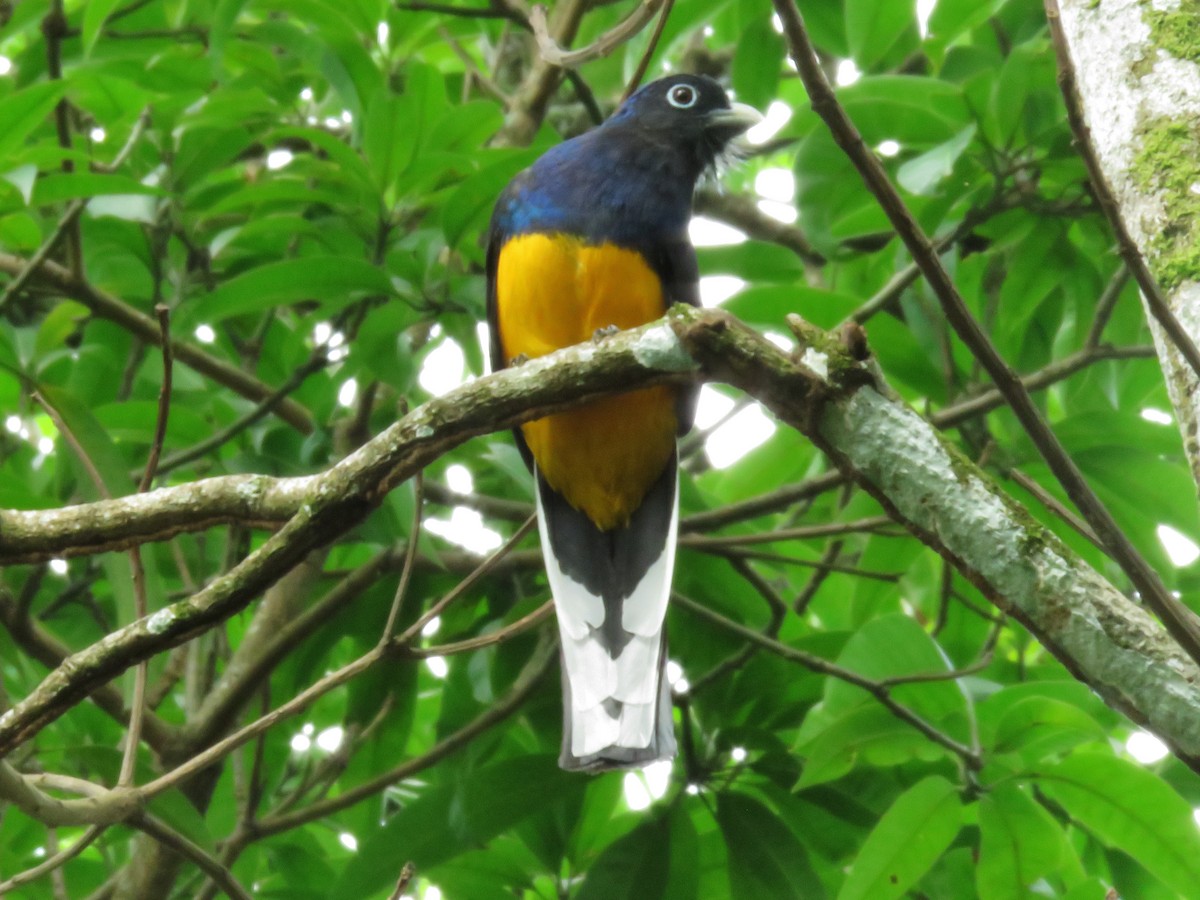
<point x="595" y="677"/>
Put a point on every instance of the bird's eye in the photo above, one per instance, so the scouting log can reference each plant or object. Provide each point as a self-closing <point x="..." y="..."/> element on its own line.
<point x="682" y="96"/>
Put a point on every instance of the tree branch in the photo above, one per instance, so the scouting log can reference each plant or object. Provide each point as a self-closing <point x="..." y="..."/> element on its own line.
<point x="1182" y="623"/>
<point x="552" y="53"/>
<point x="892" y="452"/>
<point x="140" y="325"/>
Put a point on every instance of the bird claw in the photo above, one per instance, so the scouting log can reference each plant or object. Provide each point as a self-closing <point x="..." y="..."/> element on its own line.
<point x="519" y="360"/>
<point x="601" y="333"/>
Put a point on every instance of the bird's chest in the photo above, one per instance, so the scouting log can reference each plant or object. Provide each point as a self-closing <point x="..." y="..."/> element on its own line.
<point x="554" y="290"/>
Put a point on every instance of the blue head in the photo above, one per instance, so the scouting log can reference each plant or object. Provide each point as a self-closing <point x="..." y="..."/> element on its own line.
<point x="632" y="178"/>
<point x="689" y="115"/>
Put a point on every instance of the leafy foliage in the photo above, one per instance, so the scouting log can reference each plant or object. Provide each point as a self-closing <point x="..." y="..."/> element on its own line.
<point x="305" y="188"/>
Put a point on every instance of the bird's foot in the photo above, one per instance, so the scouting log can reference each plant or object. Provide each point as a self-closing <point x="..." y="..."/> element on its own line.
<point x="519" y="360"/>
<point x="601" y="333"/>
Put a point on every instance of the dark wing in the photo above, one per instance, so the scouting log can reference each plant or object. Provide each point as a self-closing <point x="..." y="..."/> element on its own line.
<point x="674" y="261"/>
<point x="498" y="236"/>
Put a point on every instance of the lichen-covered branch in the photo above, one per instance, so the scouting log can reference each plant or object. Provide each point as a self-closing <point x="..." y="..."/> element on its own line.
<point x="900" y="458"/>
<point x="330" y="504"/>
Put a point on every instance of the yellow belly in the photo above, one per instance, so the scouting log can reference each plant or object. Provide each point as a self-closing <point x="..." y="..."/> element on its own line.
<point x="553" y="291"/>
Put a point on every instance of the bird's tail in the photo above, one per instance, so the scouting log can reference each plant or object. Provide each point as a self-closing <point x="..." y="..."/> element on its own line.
<point x="610" y="593"/>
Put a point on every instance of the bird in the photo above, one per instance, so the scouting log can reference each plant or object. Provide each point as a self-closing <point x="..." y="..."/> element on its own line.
<point x="592" y="238"/>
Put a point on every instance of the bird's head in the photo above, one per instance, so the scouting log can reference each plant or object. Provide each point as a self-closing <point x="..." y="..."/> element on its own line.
<point x="690" y="112"/>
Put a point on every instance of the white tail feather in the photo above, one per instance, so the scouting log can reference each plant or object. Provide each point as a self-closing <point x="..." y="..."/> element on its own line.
<point x="594" y="677"/>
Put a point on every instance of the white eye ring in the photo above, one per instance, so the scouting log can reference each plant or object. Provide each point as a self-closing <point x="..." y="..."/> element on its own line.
<point x="683" y="96"/>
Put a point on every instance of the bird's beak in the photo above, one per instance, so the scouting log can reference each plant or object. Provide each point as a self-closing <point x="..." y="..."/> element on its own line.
<point x="735" y="120"/>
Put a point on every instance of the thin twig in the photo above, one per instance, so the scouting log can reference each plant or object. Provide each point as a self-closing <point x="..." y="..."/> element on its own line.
<point x="946" y="675"/>
<point x="535" y="669"/>
<point x="186" y="847"/>
<point x="872" y="525"/>
<point x="732" y="553"/>
<point x="764" y="504"/>
<point x="1106" y="304"/>
<point x="54" y="29"/>
<point x="738" y="659"/>
<point x="498" y="636"/>
<point x="137" y="704"/>
<point x="407" y="871"/>
<point x="50" y="863"/>
<point x="264" y="408"/>
<point x="1051" y="373"/>
<point x="902" y="280"/>
<point x="68" y="435"/>
<point x="292" y="707"/>
<point x="472" y="68"/>
<point x="552" y="53"/>
<point x="164" y="400"/>
<point x="1178" y="619"/>
<point x="823" y="568"/>
<point x="106" y="306"/>
<point x="467" y="583"/>
<point x="278" y="820"/>
<point x="742" y="212"/>
<point x="644" y="63"/>
<point x="410" y="557"/>
<point x="1053" y="504"/>
<point x="499" y="11"/>
<point x="822" y="666"/>
<point x="945" y="591"/>
<point x="69" y="218"/>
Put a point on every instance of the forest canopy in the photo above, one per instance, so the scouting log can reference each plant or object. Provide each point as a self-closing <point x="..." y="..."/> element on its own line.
<point x="273" y="620"/>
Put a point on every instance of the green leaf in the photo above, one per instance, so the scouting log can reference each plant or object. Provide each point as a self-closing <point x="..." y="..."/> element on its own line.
<point x="752" y="260"/>
<point x="446" y="820"/>
<point x="1027" y="74"/>
<point x="878" y="29"/>
<point x="471" y="201"/>
<point x="950" y="18"/>
<point x="756" y="63"/>
<point x="917" y="112"/>
<point x="23" y="178"/>
<point x="57" y="187"/>
<point x="923" y="173"/>
<point x="639" y="864"/>
<point x="1132" y="809"/>
<point x="388" y="143"/>
<point x="23" y="111"/>
<point x="134" y="420"/>
<point x="894" y="645"/>
<point x="768" y="305"/>
<point x="95" y="14"/>
<point x="1037" y="727"/>
<point x="178" y="812"/>
<point x="349" y="164"/>
<point x="867" y="734"/>
<point x="332" y="281"/>
<point x="1020" y="842"/>
<point x="906" y="842"/>
<point x="93" y="439"/>
<point x="766" y="861"/>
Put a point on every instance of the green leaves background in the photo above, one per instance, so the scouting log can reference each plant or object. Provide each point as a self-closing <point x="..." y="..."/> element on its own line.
<point x="311" y="177"/>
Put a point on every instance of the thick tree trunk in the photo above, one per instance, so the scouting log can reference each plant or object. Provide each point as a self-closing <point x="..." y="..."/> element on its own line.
<point x="1137" y="80"/>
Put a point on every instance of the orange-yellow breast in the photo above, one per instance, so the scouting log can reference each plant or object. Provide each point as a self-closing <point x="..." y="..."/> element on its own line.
<point x="553" y="291"/>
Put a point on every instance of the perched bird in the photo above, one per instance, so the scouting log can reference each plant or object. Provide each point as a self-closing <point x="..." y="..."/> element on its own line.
<point x="595" y="235"/>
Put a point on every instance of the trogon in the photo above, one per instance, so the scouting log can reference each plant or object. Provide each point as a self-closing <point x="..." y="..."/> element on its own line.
<point x="592" y="236"/>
